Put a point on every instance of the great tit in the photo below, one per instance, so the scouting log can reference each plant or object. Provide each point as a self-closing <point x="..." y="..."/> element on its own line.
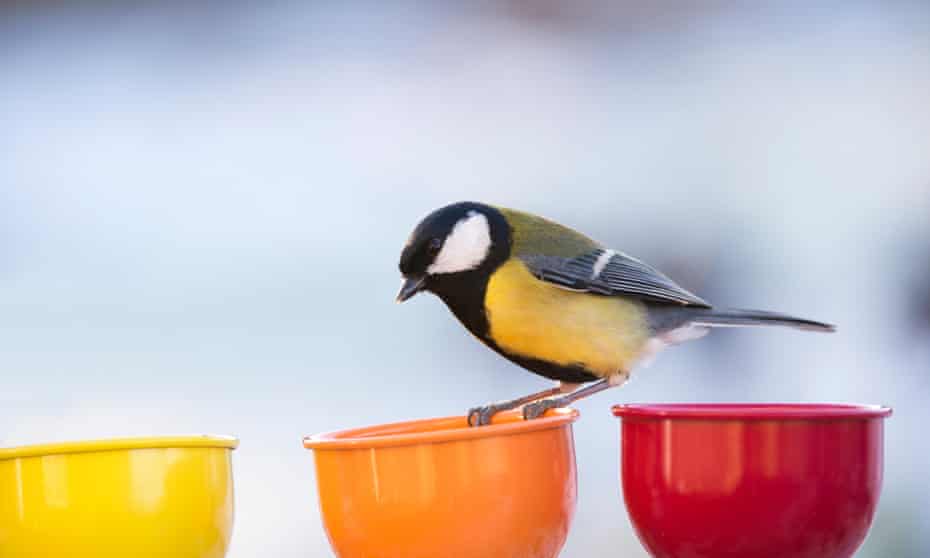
<point x="556" y="302"/>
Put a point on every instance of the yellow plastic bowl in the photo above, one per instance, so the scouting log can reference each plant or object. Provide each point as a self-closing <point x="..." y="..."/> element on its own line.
<point x="140" y="497"/>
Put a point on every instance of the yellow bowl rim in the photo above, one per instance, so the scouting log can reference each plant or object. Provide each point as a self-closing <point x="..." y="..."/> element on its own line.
<point x="117" y="444"/>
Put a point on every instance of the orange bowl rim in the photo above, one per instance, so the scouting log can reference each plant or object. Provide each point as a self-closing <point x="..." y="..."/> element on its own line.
<point x="411" y="433"/>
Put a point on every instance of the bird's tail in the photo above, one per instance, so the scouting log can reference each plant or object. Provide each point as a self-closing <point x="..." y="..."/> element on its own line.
<point x="713" y="317"/>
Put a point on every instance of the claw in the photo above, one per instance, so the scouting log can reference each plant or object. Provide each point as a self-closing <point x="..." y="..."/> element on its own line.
<point x="539" y="408"/>
<point x="481" y="416"/>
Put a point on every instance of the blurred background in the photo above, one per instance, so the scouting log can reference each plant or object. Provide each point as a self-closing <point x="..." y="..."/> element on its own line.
<point x="202" y="206"/>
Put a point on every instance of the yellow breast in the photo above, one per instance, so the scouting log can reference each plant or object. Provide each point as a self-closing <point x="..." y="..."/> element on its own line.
<point x="532" y="318"/>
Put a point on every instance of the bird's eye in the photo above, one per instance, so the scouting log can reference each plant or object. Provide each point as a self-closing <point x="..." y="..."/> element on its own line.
<point x="434" y="246"/>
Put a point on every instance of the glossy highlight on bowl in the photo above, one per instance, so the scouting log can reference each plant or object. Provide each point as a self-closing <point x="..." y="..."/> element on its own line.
<point x="751" y="480"/>
<point x="140" y="497"/>
<point x="437" y="487"/>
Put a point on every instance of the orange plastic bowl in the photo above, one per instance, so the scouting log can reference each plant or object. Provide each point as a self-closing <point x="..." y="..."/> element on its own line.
<point x="437" y="487"/>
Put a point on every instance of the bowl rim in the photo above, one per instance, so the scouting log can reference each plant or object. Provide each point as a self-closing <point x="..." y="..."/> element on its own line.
<point x="444" y="429"/>
<point x="117" y="444"/>
<point x="751" y="411"/>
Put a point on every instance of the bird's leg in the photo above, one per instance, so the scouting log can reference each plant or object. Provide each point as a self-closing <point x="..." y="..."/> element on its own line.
<point x="537" y="409"/>
<point x="480" y="416"/>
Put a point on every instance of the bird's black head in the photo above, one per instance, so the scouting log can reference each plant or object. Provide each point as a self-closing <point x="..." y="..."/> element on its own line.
<point x="456" y="243"/>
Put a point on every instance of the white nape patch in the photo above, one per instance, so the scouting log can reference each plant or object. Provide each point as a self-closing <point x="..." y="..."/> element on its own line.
<point x="602" y="262"/>
<point x="655" y="344"/>
<point x="466" y="246"/>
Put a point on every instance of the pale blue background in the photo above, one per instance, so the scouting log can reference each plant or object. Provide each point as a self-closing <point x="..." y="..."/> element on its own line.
<point x="202" y="205"/>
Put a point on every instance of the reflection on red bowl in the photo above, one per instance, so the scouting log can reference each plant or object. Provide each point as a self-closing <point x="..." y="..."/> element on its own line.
<point x="751" y="480"/>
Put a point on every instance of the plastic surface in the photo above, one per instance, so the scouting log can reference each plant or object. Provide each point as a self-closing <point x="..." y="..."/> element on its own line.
<point x="437" y="487"/>
<point x="759" y="411"/>
<point x="751" y="481"/>
<point x="139" y="497"/>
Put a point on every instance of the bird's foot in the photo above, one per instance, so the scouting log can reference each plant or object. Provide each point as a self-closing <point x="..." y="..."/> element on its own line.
<point x="539" y="408"/>
<point x="481" y="416"/>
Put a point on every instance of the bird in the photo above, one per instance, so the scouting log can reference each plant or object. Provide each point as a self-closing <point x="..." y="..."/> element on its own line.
<point x="556" y="302"/>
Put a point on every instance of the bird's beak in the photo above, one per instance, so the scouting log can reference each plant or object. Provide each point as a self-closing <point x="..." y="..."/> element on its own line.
<point x="411" y="286"/>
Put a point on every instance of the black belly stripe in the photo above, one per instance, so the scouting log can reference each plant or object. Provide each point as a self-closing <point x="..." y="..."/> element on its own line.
<point x="575" y="374"/>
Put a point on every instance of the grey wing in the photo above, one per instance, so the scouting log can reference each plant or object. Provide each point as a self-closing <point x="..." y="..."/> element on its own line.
<point x="607" y="272"/>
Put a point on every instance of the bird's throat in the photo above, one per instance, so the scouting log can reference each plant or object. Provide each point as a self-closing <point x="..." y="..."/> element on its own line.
<point x="464" y="293"/>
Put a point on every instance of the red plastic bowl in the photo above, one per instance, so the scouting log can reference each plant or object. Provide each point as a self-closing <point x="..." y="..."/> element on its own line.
<point x="751" y="480"/>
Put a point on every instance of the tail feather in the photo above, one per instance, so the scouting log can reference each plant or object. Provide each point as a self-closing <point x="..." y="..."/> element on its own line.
<point x="713" y="317"/>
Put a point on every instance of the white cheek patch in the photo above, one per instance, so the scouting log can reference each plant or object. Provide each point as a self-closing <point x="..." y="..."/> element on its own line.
<point x="466" y="246"/>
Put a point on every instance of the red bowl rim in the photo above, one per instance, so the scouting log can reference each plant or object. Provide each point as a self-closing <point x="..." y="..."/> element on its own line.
<point x="749" y="411"/>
